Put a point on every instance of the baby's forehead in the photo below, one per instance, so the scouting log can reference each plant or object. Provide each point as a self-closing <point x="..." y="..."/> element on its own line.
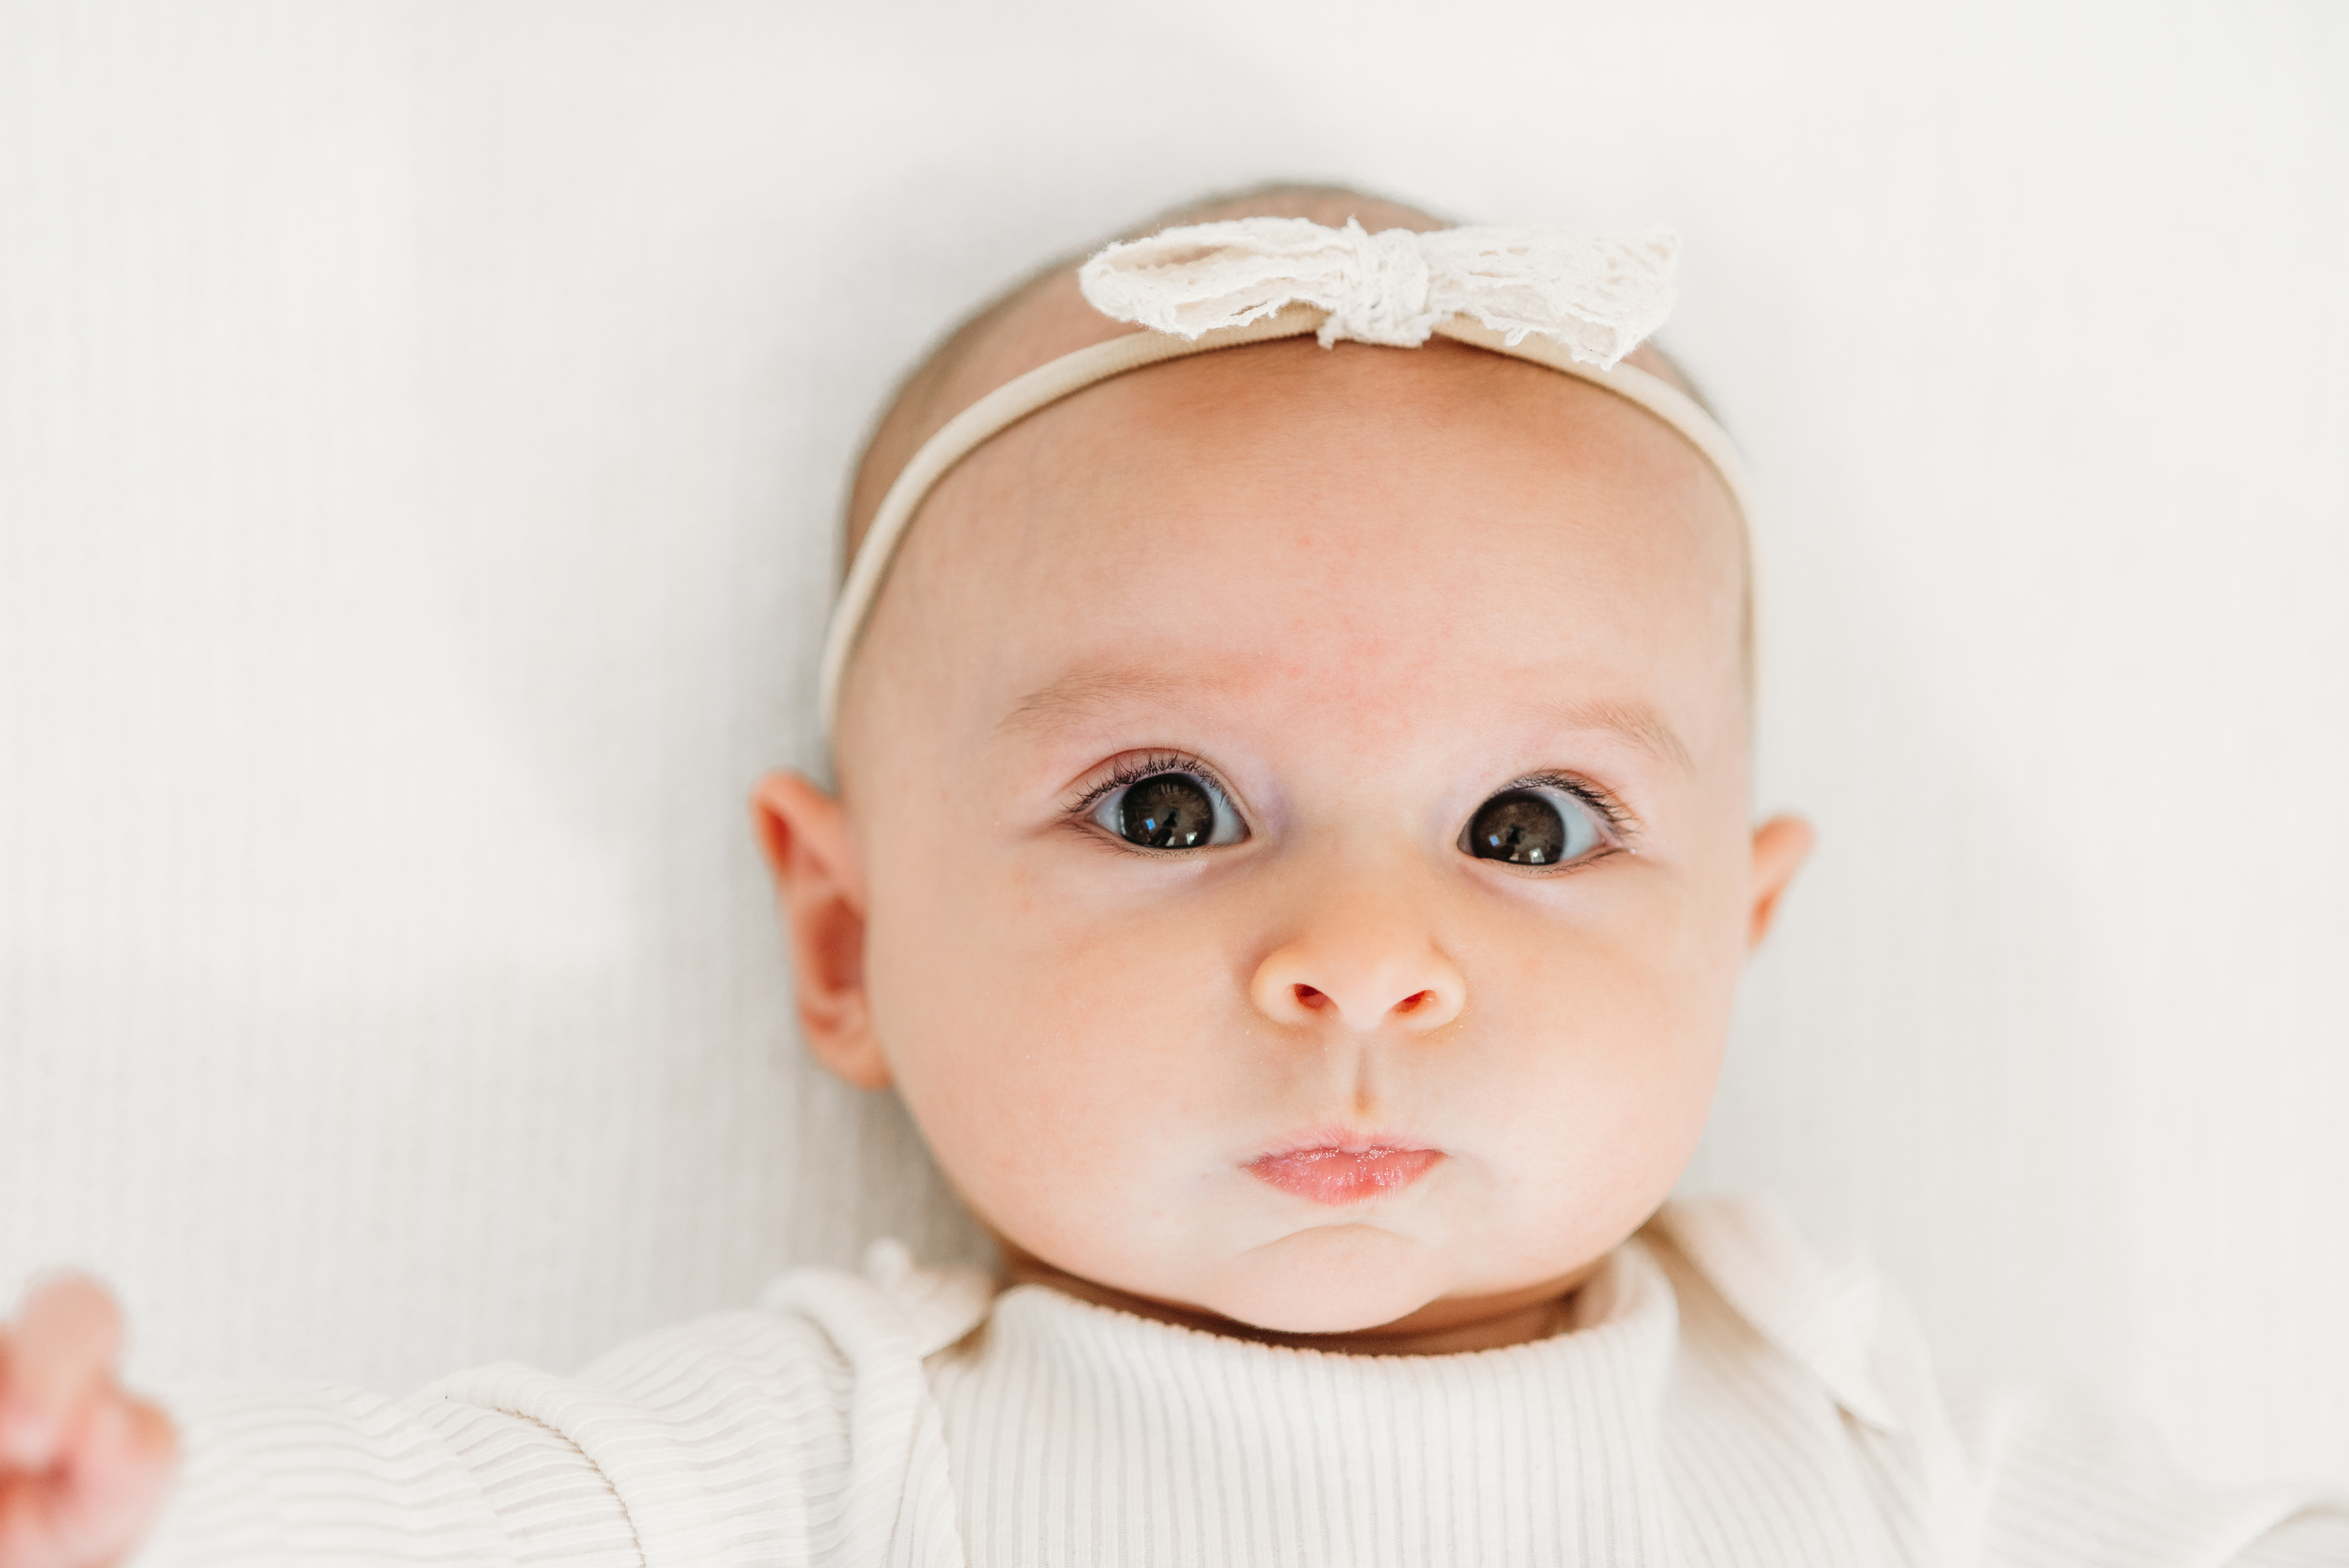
<point x="1353" y="534"/>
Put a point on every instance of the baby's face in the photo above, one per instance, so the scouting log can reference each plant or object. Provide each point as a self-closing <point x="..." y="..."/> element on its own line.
<point x="1295" y="860"/>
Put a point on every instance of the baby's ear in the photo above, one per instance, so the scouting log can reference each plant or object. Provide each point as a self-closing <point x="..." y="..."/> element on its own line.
<point x="1781" y="845"/>
<point x="820" y="888"/>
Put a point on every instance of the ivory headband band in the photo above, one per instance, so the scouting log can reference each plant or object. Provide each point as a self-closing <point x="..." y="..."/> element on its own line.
<point x="1572" y="302"/>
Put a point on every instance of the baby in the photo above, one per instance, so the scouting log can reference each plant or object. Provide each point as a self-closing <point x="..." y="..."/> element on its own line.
<point x="1291" y="853"/>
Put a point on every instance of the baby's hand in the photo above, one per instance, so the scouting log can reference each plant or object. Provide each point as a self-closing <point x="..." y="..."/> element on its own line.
<point x="83" y="1465"/>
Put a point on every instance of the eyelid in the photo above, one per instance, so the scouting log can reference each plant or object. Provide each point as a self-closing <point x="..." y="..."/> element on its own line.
<point x="1104" y="778"/>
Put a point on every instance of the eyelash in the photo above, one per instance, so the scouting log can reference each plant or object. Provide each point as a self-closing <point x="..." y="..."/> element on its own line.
<point x="1617" y="818"/>
<point x="1143" y="764"/>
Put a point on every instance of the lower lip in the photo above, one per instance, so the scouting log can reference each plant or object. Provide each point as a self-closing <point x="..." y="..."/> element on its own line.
<point x="1336" y="1176"/>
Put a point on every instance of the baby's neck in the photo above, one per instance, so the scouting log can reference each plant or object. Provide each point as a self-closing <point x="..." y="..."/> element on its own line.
<point x="1449" y="1326"/>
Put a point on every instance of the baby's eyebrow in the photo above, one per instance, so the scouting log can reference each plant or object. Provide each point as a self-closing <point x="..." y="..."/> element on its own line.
<point x="1083" y="694"/>
<point x="1634" y="721"/>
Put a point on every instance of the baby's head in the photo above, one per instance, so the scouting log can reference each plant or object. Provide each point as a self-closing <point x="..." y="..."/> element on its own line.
<point x="1291" y="851"/>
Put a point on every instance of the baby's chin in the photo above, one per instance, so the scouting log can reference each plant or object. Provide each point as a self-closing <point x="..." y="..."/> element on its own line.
<point x="1346" y="1278"/>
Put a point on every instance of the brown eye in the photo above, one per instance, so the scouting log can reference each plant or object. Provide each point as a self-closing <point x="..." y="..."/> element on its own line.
<point x="1168" y="805"/>
<point x="1538" y="827"/>
<point x="1166" y="812"/>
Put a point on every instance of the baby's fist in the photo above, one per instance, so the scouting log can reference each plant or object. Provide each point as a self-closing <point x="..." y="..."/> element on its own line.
<point x="83" y="1465"/>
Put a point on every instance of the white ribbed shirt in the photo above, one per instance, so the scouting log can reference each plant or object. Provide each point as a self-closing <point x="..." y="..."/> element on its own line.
<point x="1717" y="1397"/>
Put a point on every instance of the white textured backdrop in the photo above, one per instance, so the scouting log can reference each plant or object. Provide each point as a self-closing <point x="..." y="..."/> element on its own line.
<point x="420" y="425"/>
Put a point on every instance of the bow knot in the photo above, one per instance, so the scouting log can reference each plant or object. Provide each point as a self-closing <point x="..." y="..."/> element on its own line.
<point x="1596" y="296"/>
<point x="1388" y="304"/>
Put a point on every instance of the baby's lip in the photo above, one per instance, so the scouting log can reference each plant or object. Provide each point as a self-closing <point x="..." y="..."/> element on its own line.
<point x="1338" y="1168"/>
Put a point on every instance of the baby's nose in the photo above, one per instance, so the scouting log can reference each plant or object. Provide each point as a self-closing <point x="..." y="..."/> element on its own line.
<point x="1367" y="974"/>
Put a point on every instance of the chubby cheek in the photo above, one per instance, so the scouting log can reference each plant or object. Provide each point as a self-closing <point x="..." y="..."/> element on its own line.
<point x="1051" y="1054"/>
<point x="1601" y="1049"/>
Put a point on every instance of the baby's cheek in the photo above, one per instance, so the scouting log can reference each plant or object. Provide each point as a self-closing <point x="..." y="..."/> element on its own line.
<point x="1042" y="1051"/>
<point x="1607" y="1042"/>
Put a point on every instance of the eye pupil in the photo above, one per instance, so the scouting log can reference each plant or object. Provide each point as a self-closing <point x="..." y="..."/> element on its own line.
<point x="1166" y="812"/>
<point x="1521" y="827"/>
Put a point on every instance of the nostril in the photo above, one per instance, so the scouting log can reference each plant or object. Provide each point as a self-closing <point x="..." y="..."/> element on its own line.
<point x="1308" y="998"/>
<point x="1412" y="1003"/>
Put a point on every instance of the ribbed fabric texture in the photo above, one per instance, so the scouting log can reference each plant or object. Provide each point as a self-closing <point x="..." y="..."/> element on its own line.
<point x="1720" y="1399"/>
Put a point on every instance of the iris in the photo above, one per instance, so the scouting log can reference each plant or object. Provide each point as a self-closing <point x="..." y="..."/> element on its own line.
<point x="1522" y="826"/>
<point x="1166" y="812"/>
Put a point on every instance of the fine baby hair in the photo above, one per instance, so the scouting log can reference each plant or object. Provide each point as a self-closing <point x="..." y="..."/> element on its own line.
<point x="1289" y="849"/>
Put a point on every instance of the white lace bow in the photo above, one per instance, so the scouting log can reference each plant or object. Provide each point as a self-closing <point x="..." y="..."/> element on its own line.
<point x="1594" y="295"/>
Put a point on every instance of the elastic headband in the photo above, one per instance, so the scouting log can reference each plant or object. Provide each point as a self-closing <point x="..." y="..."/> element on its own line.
<point x="1572" y="303"/>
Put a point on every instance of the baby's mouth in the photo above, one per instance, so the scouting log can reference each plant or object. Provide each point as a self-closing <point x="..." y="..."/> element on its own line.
<point x="1345" y="1172"/>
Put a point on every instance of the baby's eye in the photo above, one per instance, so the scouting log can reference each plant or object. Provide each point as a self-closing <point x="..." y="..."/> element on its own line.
<point x="1534" y="825"/>
<point x="1170" y="810"/>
